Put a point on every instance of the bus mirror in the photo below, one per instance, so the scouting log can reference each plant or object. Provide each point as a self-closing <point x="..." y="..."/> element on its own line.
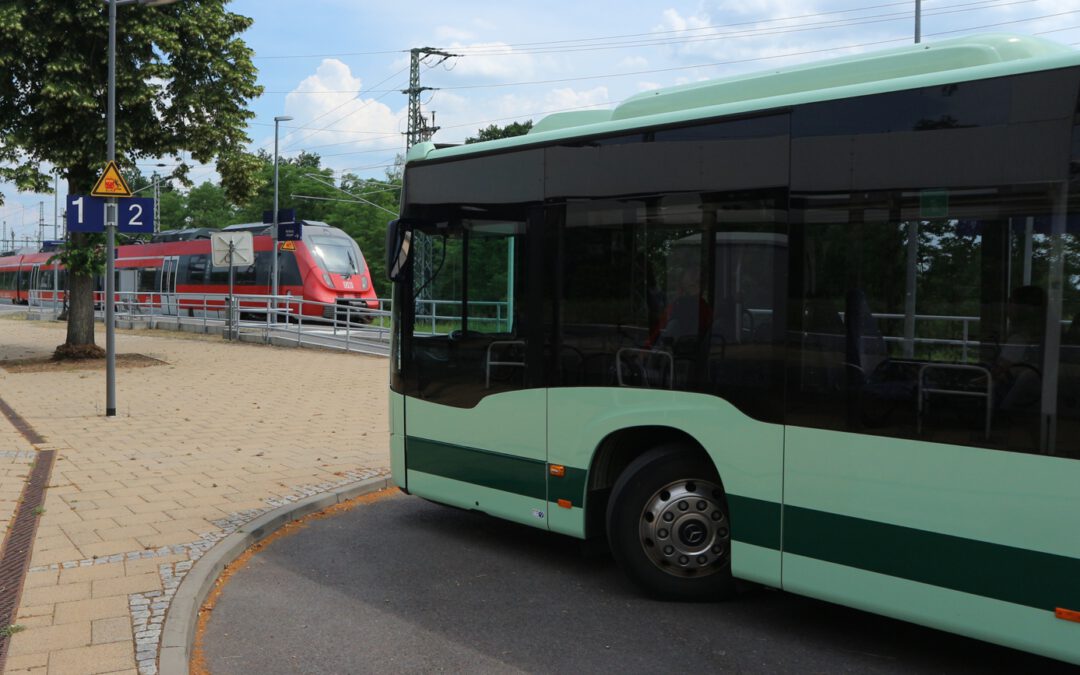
<point x="398" y="249"/>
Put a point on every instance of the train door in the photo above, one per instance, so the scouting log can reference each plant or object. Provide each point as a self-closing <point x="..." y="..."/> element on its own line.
<point x="33" y="293"/>
<point x="169" y="303"/>
<point x="126" y="285"/>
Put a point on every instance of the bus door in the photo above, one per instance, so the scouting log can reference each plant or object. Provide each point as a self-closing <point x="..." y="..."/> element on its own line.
<point x="169" y="302"/>
<point x="475" y="434"/>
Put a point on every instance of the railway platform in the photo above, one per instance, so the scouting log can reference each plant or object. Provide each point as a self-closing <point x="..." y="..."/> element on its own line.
<point x="209" y="436"/>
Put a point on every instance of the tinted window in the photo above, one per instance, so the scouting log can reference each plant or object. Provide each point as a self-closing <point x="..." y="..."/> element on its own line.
<point x="678" y="292"/>
<point x="510" y="178"/>
<point x="927" y="315"/>
<point x="288" y="272"/>
<point x="992" y="132"/>
<point x="193" y="269"/>
<point x="470" y="336"/>
<point x="718" y="156"/>
<point x="952" y="106"/>
<point x="148" y="280"/>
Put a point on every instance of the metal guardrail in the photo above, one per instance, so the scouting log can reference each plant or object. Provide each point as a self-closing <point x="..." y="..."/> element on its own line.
<point x="282" y="320"/>
<point x="289" y="315"/>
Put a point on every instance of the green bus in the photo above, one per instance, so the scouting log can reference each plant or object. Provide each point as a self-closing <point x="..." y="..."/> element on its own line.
<point x="816" y="328"/>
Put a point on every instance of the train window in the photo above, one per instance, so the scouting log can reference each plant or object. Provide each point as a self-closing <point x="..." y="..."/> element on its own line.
<point x="194" y="271"/>
<point x="263" y="268"/>
<point x="244" y="276"/>
<point x="288" y="272"/>
<point x="148" y="280"/>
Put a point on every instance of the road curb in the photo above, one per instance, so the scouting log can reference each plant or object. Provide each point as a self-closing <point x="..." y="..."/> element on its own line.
<point x="178" y="634"/>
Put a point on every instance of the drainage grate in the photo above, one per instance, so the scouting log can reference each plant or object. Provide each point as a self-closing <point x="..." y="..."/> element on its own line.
<point x="19" y="542"/>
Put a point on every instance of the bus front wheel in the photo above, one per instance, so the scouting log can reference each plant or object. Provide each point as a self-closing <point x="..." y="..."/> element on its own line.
<point x="668" y="527"/>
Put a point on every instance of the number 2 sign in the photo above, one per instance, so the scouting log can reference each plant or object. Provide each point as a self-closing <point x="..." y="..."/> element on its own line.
<point x="87" y="214"/>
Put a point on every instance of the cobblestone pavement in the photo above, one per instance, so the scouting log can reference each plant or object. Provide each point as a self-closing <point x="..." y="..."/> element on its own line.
<point x="202" y="443"/>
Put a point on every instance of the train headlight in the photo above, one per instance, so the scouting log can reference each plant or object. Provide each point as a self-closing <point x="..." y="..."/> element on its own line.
<point x="364" y="285"/>
<point x="328" y="280"/>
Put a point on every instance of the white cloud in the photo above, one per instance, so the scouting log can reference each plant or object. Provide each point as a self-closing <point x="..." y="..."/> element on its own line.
<point x="343" y="129"/>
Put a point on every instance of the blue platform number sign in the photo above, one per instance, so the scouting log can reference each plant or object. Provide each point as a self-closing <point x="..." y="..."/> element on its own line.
<point x="87" y="214"/>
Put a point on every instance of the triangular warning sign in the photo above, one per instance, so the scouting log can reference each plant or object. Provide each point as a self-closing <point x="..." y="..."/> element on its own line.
<point x="111" y="183"/>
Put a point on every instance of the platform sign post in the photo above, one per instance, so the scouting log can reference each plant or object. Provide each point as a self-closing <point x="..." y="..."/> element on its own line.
<point x="231" y="249"/>
<point x="110" y="185"/>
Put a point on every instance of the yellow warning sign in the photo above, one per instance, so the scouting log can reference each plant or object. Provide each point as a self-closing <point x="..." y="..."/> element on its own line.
<point x="111" y="183"/>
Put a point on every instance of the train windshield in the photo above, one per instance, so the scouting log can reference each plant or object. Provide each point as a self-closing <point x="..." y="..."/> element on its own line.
<point x="337" y="255"/>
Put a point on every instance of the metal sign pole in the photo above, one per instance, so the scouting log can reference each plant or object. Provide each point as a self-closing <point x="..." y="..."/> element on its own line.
<point x="110" y="230"/>
<point x="231" y="313"/>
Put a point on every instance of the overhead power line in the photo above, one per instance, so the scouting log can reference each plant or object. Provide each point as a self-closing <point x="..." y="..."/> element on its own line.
<point x="693" y="34"/>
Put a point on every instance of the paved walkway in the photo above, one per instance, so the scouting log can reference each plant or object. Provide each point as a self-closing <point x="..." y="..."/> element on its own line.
<point x="214" y="436"/>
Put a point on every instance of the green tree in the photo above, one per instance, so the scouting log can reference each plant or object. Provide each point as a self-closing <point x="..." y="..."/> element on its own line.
<point x="294" y="178"/>
<point x="493" y="132"/>
<point x="172" y="209"/>
<point x="208" y="206"/>
<point x="183" y="79"/>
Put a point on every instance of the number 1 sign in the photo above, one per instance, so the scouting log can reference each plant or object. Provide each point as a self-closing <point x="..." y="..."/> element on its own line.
<point x="87" y="214"/>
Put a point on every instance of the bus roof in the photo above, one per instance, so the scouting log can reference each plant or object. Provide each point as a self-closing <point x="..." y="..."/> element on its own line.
<point x="971" y="57"/>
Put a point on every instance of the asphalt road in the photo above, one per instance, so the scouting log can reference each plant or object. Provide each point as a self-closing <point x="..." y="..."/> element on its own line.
<point x="403" y="585"/>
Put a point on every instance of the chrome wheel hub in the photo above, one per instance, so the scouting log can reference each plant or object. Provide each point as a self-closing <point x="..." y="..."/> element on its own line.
<point x="684" y="530"/>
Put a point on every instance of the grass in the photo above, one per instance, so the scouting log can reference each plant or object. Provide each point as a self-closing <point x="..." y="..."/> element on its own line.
<point x="11" y="629"/>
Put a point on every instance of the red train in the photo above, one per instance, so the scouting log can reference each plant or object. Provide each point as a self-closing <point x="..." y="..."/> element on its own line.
<point x="326" y="266"/>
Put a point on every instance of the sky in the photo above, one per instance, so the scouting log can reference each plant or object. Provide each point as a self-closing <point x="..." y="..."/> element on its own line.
<point x="338" y="66"/>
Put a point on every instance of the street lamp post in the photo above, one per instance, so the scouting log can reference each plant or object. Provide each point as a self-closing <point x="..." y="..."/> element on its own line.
<point x="274" y="230"/>
<point x="111" y="211"/>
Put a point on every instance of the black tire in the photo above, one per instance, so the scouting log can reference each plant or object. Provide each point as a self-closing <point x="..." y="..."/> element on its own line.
<point x="668" y="526"/>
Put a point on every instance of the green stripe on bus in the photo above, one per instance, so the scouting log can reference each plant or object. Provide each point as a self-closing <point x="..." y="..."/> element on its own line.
<point x="518" y="475"/>
<point x="570" y="486"/>
<point x="1020" y="576"/>
<point x="755" y="521"/>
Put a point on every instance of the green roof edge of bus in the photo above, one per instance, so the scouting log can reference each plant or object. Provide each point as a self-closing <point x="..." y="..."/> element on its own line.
<point x="971" y="57"/>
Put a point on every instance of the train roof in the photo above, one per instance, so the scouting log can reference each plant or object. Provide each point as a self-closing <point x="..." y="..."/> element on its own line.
<point x="972" y="57"/>
<point x="181" y="235"/>
<point x="260" y="228"/>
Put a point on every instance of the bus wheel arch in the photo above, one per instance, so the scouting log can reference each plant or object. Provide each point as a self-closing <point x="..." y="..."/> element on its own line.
<point x="668" y="524"/>
<point x="614" y="453"/>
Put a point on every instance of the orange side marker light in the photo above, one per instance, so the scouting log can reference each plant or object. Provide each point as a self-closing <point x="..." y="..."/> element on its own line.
<point x="557" y="470"/>
<point x="565" y="503"/>
<point x="1067" y="614"/>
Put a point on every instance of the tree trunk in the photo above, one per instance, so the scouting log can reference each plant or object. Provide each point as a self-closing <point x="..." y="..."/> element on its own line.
<point x="80" y="296"/>
<point x="80" y="325"/>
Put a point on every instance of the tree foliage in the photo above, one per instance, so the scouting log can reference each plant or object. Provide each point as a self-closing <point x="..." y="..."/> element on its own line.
<point x="183" y="79"/>
<point x="494" y="131"/>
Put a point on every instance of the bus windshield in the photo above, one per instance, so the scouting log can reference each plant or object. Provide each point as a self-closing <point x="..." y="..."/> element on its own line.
<point x="337" y="255"/>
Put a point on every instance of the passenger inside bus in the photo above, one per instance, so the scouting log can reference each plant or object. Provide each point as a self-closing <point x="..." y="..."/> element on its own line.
<point x="1018" y="367"/>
